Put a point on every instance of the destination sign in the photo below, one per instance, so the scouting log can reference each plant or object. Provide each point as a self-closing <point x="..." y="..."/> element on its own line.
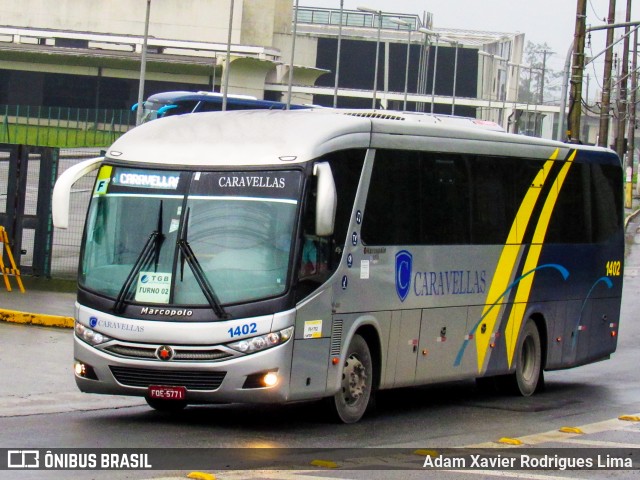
<point x="146" y="179"/>
<point x="272" y="184"/>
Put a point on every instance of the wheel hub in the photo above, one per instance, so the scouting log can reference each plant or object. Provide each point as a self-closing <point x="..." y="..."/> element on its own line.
<point x="354" y="379"/>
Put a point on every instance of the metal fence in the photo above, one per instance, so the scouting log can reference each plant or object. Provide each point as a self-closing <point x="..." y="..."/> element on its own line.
<point x="65" y="246"/>
<point x="63" y="127"/>
<point x="66" y="243"/>
<point x="79" y="133"/>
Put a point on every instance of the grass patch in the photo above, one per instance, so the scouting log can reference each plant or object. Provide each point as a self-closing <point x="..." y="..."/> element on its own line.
<point x="46" y="136"/>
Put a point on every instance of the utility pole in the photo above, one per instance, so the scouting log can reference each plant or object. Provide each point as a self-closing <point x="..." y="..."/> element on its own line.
<point x="575" y="105"/>
<point x="622" y="111"/>
<point x="544" y="66"/>
<point x="632" y="122"/>
<point x="606" y="83"/>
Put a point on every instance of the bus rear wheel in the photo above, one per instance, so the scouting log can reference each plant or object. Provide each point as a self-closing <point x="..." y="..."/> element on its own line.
<point x="352" y="399"/>
<point x="528" y="375"/>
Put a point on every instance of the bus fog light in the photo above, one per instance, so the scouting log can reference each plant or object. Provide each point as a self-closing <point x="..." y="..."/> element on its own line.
<point x="270" y="379"/>
<point x="263" y="379"/>
<point x="84" y="370"/>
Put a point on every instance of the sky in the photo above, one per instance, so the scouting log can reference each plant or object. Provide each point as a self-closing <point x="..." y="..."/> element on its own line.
<point x="542" y="21"/>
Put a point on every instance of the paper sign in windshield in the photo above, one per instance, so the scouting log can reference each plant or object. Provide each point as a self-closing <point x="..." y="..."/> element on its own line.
<point x="153" y="287"/>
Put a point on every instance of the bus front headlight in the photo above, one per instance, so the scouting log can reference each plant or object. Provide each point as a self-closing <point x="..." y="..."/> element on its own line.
<point x="262" y="342"/>
<point x="90" y="336"/>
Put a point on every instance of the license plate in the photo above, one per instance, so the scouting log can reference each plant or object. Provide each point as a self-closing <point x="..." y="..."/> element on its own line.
<point x="167" y="393"/>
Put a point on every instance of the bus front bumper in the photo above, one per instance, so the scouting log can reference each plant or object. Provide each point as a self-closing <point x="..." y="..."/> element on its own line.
<point x="236" y="380"/>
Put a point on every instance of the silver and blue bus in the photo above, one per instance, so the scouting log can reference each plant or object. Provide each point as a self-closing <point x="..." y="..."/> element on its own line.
<point x="281" y="256"/>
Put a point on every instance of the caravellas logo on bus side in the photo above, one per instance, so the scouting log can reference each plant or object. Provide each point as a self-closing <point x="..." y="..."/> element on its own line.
<point x="404" y="262"/>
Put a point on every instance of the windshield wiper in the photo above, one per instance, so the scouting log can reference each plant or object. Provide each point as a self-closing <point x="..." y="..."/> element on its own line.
<point x="150" y="251"/>
<point x="187" y="253"/>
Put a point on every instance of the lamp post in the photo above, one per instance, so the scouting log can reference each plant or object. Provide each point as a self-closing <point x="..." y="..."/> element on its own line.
<point x="485" y="54"/>
<point x="435" y="63"/>
<point x="375" y="74"/>
<point x="506" y="91"/>
<point x="143" y="66"/>
<point x="404" y="23"/>
<point x="227" y="63"/>
<point x="517" y="94"/>
<point x="335" y="88"/>
<point x="456" y="44"/>
<point x="293" y="49"/>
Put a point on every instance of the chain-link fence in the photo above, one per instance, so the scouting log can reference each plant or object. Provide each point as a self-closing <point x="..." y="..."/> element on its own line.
<point x="65" y="247"/>
<point x="80" y="134"/>
<point x="66" y="243"/>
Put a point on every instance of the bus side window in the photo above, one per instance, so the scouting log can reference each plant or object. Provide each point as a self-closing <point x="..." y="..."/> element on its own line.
<point x="320" y="256"/>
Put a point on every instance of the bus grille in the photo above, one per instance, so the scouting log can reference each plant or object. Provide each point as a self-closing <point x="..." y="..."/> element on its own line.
<point x="336" y="337"/>
<point x="382" y="115"/>
<point x="181" y="354"/>
<point x="145" y="377"/>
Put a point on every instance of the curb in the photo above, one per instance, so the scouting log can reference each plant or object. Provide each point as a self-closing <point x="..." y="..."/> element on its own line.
<point x="41" y="319"/>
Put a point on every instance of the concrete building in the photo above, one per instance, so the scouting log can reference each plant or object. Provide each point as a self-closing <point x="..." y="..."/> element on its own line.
<point x="74" y="53"/>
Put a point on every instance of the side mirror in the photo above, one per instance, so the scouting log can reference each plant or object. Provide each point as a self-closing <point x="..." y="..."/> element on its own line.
<point x="326" y="199"/>
<point x="62" y="189"/>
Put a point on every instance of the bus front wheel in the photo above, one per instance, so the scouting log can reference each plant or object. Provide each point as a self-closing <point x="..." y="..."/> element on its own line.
<point x="352" y="399"/>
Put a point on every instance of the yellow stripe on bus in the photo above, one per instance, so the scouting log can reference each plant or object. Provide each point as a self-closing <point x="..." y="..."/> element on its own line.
<point x="504" y="272"/>
<point x="104" y="175"/>
<point x="531" y="263"/>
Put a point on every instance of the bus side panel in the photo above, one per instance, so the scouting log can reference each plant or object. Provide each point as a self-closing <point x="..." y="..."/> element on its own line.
<point x="309" y="368"/>
<point x="582" y="327"/>
<point x="311" y="346"/>
<point x="403" y="353"/>
<point x="441" y="333"/>
<point x="588" y="331"/>
<point x="556" y="328"/>
<point x="604" y="320"/>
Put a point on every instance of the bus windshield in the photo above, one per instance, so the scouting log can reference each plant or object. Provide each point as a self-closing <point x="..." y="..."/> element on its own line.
<point x="190" y="238"/>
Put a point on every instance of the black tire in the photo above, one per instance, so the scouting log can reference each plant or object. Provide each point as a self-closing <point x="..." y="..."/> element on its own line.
<point x="351" y="402"/>
<point x="166" y="405"/>
<point x="528" y="376"/>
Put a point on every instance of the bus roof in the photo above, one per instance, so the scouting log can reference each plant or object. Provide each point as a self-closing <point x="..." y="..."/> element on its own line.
<point x="276" y="137"/>
<point x="244" y="101"/>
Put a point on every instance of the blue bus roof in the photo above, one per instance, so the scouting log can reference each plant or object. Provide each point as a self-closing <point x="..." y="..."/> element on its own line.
<point x="249" y="102"/>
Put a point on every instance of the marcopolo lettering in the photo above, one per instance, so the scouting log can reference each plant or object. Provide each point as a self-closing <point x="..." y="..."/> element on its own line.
<point x="251" y="182"/>
<point x="168" y="312"/>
